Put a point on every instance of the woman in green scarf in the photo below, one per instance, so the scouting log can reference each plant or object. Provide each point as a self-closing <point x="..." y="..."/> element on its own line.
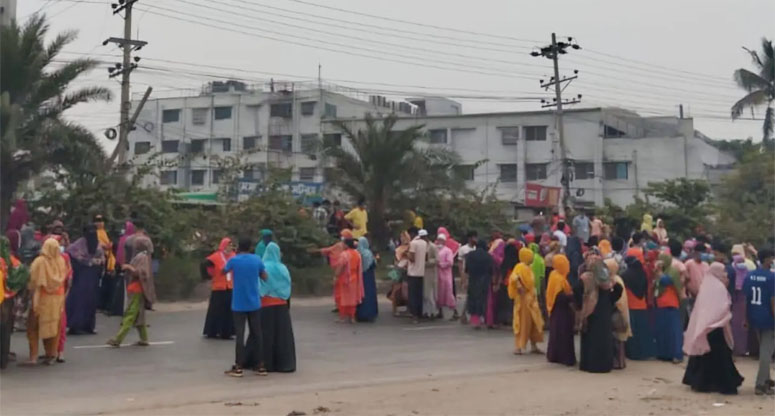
<point x="266" y="238"/>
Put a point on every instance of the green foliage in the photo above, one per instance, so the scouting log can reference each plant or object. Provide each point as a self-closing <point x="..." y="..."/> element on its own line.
<point x="33" y="97"/>
<point x="467" y="212"/>
<point x="682" y="203"/>
<point x="746" y="200"/>
<point x="177" y="277"/>
<point x="759" y="85"/>
<point x="391" y="169"/>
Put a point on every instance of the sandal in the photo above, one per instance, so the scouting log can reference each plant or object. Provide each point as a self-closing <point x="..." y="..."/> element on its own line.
<point x="113" y="343"/>
<point x="60" y="360"/>
<point x="142" y="343"/>
<point x="261" y="371"/>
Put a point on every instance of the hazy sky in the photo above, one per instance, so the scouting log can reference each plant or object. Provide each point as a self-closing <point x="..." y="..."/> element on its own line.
<point x="648" y="56"/>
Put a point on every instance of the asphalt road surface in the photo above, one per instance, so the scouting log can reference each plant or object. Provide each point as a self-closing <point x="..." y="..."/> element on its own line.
<point x="182" y="373"/>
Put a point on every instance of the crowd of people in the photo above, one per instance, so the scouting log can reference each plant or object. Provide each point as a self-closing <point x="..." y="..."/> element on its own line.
<point x="633" y="295"/>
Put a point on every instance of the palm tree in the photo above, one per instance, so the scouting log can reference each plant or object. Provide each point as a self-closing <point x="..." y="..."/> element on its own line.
<point x="760" y="86"/>
<point x="34" y="94"/>
<point x="390" y="168"/>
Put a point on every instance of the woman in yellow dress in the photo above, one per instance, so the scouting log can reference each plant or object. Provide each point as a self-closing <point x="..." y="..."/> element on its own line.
<point x="528" y="322"/>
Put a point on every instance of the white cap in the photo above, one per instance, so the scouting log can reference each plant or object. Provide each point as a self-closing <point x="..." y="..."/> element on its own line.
<point x="441" y="237"/>
<point x="422" y="233"/>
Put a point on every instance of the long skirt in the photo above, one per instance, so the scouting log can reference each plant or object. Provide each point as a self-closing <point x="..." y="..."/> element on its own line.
<point x="739" y="331"/>
<point x="367" y="310"/>
<point x="669" y="334"/>
<point x="504" y="306"/>
<point x="219" y="322"/>
<point x="82" y="301"/>
<point x="641" y="346"/>
<point x="107" y="287"/>
<point x="279" y="347"/>
<point x="116" y="307"/>
<point x="560" y="348"/>
<point x="429" y="293"/>
<point x="714" y="371"/>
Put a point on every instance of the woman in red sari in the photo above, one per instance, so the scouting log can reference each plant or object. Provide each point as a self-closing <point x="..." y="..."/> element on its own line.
<point x="348" y="287"/>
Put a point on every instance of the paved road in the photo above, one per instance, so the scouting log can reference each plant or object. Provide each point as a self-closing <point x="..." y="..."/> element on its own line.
<point x="186" y="369"/>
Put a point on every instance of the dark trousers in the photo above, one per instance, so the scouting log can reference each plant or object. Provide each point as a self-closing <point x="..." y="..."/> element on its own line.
<point x="6" y="328"/>
<point x="415" y="284"/>
<point x="246" y="351"/>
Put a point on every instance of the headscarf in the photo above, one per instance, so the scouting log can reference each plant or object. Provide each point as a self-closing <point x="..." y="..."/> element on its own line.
<point x="19" y="216"/>
<point x="634" y="277"/>
<point x="278" y="281"/>
<point x="538" y="266"/>
<point x="142" y="263"/>
<point x="647" y="224"/>
<point x="48" y="271"/>
<point x="401" y="249"/>
<point x="668" y="275"/>
<point x="450" y="242"/>
<point x="87" y="249"/>
<point x="129" y="229"/>
<point x="605" y="247"/>
<point x="367" y="257"/>
<point x="104" y="240"/>
<point x="712" y="309"/>
<point x="346" y="233"/>
<point x="496" y="249"/>
<point x="510" y="259"/>
<point x="558" y="280"/>
<point x="261" y="246"/>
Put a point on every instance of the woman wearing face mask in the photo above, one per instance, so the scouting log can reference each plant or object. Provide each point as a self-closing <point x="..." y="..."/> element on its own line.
<point x="87" y="260"/>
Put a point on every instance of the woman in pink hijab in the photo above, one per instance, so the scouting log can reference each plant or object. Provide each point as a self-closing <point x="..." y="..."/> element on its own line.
<point x="450" y="242"/>
<point x="708" y="339"/>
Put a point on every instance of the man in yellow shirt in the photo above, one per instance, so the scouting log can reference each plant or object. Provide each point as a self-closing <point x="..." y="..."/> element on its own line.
<point x="359" y="218"/>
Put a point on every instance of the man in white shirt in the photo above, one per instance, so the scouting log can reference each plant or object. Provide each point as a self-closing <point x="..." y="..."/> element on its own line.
<point x="560" y="235"/>
<point x="415" y="272"/>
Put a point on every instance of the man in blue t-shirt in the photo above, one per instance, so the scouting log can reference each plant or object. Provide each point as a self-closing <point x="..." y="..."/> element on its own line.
<point x="246" y="269"/>
<point x="759" y="289"/>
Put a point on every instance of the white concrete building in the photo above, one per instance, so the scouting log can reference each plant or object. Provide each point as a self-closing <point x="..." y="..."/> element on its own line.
<point x="7" y="12"/>
<point x="615" y="153"/>
<point x="271" y="125"/>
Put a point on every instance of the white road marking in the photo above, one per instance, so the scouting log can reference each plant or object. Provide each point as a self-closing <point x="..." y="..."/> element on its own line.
<point x="123" y="345"/>
<point x="424" y="328"/>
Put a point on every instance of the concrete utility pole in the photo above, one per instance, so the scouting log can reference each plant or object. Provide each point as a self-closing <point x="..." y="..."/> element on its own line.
<point x="553" y="52"/>
<point x="124" y="69"/>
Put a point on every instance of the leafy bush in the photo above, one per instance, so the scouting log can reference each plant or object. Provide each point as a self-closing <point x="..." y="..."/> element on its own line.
<point x="466" y="212"/>
<point x="177" y="277"/>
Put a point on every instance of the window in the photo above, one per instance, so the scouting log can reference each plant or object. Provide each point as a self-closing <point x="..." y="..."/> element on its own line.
<point x="307" y="174"/>
<point x="198" y="145"/>
<point x="281" y="110"/>
<point x="509" y="135"/>
<point x="308" y="108"/>
<point x="535" y="133"/>
<point x="309" y="143"/>
<point x="535" y="171"/>
<point x="584" y="170"/>
<point x="334" y="139"/>
<point x="224" y="143"/>
<point x="282" y="143"/>
<point x="615" y="170"/>
<point x="438" y="136"/>
<point x="508" y="172"/>
<point x="254" y="173"/>
<point x="217" y="176"/>
<point x="612" y="133"/>
<point x="250" y="142"/>
<point x="222" y="113"/>
<point x="142" y="148"/>
<point x="330" y="110"/>
<point x="169" y="146"/>
<point x="170" y="116"/>
<point x="199" y="116"/>
<point x="168" y="177"/>
<point x="466" y="172"/>
<point x="198" y="177"/>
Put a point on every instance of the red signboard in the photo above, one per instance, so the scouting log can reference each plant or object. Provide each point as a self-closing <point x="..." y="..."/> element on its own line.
<point x="541" y="196"/>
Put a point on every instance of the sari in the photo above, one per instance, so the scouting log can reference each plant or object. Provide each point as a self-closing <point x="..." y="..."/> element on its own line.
<point x="349" y="283"/>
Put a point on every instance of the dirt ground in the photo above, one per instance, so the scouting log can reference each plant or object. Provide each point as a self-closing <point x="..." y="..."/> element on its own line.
<point x="643" y="389"/>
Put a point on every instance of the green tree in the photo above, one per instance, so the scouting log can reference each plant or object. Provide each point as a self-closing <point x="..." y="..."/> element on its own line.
<point x="682" y="203"/>
<point x="390" y="168"/>
<point x="759" y="85"/>
<point x="34" y="95"/>
<point x="746" y="200"/>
